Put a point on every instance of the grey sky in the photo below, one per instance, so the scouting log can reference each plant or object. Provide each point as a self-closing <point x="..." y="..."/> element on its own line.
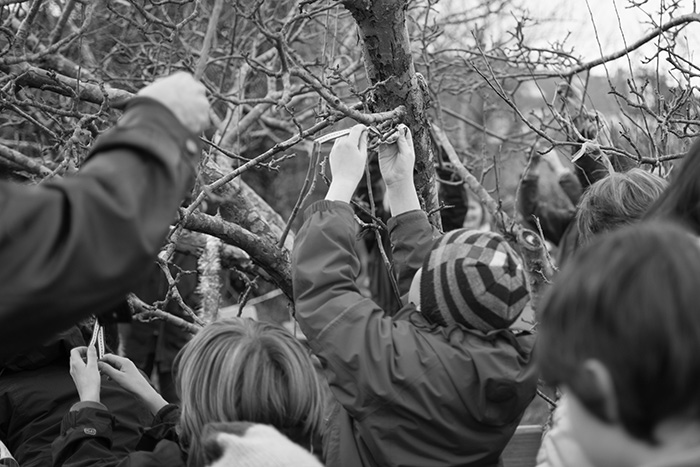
<point x="611" y="21"/>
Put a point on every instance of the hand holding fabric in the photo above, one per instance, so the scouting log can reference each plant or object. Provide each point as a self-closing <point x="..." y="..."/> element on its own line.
<point x="347" y="160"/>
<point x="396" y="161"/>
<point x="85" y="374"/>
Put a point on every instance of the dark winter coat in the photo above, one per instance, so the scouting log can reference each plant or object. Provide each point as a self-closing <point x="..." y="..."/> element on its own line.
<point x="87" y="434"/>
<point x="58" y="260"/>
<point x="410" y="394"/>
<point x="36" y="391"/>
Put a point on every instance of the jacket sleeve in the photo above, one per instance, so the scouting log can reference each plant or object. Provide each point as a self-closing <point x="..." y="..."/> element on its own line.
<point x="368" y="358"/>
<point x="571" y="186"/>
<point x="75" y="246"/>
<point x="86" y="440"/>
<point x="86" y="435"/>
<point x="589" y="169"/>
<point x="412" y="237"/>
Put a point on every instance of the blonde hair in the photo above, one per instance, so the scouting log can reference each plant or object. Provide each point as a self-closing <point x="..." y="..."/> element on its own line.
<point x="616" y="200"/>
<point x="244" y="370"/>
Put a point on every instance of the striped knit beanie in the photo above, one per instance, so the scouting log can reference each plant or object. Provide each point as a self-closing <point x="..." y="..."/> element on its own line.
<point x="472" y="278"/>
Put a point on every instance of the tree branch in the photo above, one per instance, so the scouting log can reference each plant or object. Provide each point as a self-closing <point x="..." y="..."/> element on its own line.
<point x="37" y="78"/>
<point x="208" y="39"/>
<point x="274" y="260"/>
<point x="142" y="311"/>
<point x="25" y="162"/>
<point x="681" y="20"/>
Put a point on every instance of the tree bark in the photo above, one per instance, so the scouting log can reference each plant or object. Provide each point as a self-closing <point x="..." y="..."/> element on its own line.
<point x="241" y="205"/>
<point x="389" y="63"/>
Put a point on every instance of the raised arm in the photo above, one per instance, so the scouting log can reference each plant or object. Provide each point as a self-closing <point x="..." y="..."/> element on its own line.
<point x="86" y="430"/>
<point x="411" y="233"/>
<point x="360" y="347"/>
<point x="75" y="246"/>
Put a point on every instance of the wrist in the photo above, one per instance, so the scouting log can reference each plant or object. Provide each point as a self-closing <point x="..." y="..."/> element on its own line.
<point x="90" y="396"/>
<point x="401" y="187"/>
<point x="341" y="190"/>
<point x="155" y="402"/>
<point x="402" y="197"/>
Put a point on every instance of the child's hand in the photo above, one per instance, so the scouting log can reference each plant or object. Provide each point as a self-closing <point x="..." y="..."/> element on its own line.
<point x="347" y="160"/>
<point x="124" y="372"/>
<point x="396" y="160"/>
<point x="83" y="370"/>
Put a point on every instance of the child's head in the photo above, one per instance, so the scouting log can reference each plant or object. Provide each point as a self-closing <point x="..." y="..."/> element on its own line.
<point x="471" y="278"/>
<point x="681" y="200"/>
<point x="620" y="198"/>
<point x="620" y="332"/>
<point x="244" y="370"/>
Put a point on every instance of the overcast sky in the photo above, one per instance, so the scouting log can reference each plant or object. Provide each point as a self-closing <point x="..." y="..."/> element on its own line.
<point x="613" y="20"/>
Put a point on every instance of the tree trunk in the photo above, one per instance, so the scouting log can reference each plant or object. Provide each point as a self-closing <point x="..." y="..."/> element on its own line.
<point x="387" y="54"/>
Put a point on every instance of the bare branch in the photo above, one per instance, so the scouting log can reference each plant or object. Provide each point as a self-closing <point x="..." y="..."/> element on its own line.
<point x="26" y="163"/>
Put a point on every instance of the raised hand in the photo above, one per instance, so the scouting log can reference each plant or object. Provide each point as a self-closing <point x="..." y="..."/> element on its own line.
<point x="85" y="374"/>
<point x="347" y="160"/>
<point x="396" y="160"/>
<point x="127" y="375"/>
<point x="184" y="96"/>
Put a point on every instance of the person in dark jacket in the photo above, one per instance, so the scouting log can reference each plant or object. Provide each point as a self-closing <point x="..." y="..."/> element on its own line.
<point x="443" y="383"/>
<point x="36" y="391"/>
<point x="76" y="246"/>
<point x="232" y="370"/>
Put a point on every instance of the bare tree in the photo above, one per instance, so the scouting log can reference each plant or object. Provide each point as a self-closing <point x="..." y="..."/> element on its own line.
<point x="280" y="73"/>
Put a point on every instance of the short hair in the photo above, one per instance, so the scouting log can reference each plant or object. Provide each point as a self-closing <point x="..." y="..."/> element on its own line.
<point x="619" y="199"/>
<point x="628" y="299"/>
<point x="244" y="370"/>
<point x="681" y="200"/>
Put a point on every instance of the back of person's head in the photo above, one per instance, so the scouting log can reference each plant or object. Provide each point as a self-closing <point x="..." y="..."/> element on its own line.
<point x="681" y="200"/>
<point x="471" y="278"/>
<point x="627" y="302"/>
<point x="620" y="198"/>
<point x="244" y="370"/>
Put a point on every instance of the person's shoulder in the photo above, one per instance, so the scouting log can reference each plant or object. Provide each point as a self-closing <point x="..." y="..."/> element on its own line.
<point x="475" y="343"/>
